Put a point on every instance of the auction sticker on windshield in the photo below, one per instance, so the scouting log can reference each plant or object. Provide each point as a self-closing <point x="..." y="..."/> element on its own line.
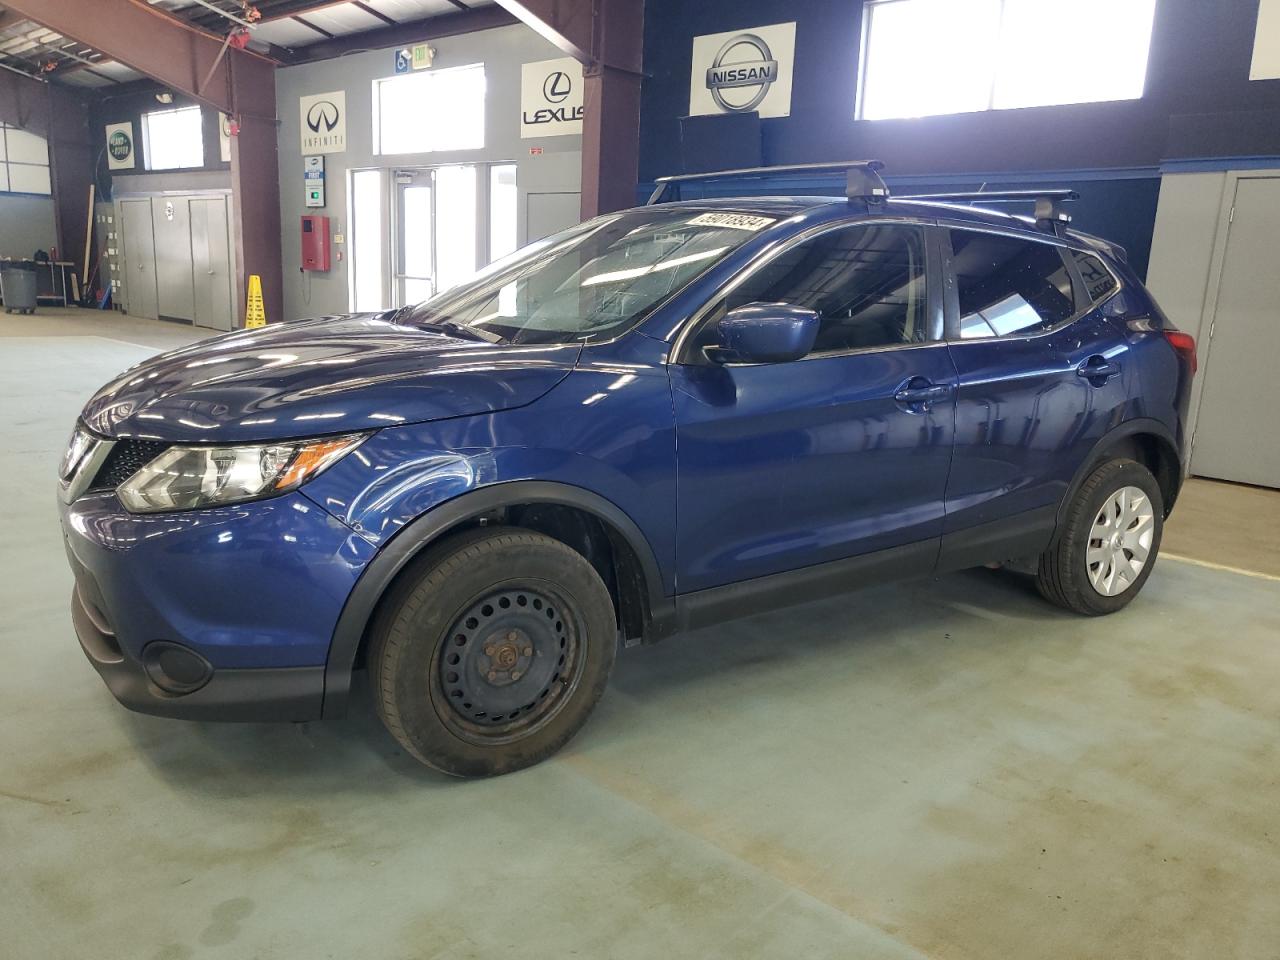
<point x="734" y="221"/>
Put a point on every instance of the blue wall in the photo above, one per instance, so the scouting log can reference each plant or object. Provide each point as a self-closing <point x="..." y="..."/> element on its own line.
<point x="1199" y="103"/>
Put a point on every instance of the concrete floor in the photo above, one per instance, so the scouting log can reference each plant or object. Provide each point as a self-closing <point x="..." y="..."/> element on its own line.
<point x="946" y="769"/>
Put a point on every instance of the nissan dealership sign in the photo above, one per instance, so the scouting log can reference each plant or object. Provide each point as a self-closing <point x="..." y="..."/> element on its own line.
<point x="551" y="98"/>
<point x="743" y="70"/>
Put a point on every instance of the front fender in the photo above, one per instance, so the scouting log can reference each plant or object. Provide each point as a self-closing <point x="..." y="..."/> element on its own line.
<point x="427" y="529"/>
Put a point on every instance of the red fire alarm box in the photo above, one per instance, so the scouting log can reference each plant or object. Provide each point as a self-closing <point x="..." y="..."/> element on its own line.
<point x="315" y="243"/>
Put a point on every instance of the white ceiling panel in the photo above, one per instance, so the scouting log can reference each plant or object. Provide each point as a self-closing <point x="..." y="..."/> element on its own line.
<point x="343" y="19"/>
<point x="285" y="33"/>
<point x="403" y="11"/>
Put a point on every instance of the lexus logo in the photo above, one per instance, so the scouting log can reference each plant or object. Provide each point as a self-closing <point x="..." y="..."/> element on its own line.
<point x="741" y="74"/>
<point x="323" y="113"/>
<point x="557" y="87"/>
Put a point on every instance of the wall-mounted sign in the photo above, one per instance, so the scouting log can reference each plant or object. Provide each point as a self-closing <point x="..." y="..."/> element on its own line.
<point x="417" y="57"/>
<point x="120" y="152"/>
<point x="324" y="122"/>
<point x="224" y="137"/>
<point x="1266" y="42"/>
<point x="551" y="98"/>
<point x="744" y="70"/>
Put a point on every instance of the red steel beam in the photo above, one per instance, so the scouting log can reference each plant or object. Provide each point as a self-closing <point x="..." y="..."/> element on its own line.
<point x="239" y="82"/>
<point x="607" y="38"/>
<point x="153" y="42"/>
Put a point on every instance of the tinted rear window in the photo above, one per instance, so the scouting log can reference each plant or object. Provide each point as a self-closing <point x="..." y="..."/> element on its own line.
<point x="1007" y="285"/>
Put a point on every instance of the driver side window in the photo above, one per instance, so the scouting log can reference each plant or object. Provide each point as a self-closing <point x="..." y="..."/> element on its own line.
<point x="866" y="283"/>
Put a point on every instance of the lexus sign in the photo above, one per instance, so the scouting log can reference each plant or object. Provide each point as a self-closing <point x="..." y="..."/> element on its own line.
<point x="743" y="70"/>
<point x="551" y="98"/>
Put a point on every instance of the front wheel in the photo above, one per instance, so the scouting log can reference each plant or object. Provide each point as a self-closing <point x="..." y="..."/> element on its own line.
<point x="1107" y="545"/>
<point x="492" y="651"/>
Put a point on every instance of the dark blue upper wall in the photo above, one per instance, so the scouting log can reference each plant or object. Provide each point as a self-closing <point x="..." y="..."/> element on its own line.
<point x="1199" y="101"/>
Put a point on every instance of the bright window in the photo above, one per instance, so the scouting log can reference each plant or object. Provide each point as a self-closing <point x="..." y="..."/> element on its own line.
<point x="455" y="225"/>
<point x="173" y="139"/>
<point x="366" y="240"/>
<point x="928" y="57"/>
<point x="24" y="162"/>
<point x="502" y="210"/>
<point x="429" y="111"/>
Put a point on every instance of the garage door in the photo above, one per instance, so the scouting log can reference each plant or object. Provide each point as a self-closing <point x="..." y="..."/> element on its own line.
<point x="1237" y="431"/>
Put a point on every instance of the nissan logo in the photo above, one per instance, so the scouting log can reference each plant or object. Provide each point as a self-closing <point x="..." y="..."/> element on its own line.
<point x="743" y="63"/>
<point x="322" y="113"/>
<point x="556" y="87"/>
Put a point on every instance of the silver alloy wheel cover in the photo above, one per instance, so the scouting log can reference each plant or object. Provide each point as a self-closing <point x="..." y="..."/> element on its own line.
<point x="1120" y="541"/>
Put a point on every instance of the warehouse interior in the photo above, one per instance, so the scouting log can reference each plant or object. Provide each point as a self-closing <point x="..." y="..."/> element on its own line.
<point x="943" y="767"/>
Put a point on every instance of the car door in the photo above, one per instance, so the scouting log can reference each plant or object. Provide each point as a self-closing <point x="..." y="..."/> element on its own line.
<point x="786" y="465"/>
<point x="1043" y="374"/>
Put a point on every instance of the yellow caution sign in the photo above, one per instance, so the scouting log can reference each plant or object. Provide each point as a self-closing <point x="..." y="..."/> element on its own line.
<point x="255" y="314"/>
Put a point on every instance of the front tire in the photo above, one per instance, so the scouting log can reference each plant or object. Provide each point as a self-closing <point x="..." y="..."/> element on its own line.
<point x="492" y="651"/>
<point x="1105" y="549"/>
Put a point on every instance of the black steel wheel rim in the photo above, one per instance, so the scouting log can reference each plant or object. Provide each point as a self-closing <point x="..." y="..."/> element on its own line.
<point x="509" y="663"/>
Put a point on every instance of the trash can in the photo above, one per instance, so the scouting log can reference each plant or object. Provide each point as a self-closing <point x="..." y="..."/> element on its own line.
<point x="18" y="284"/>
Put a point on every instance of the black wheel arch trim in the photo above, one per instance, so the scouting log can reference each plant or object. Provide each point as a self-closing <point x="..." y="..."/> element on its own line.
<point x="1141" y="426"/>
<point x="428" y="528"/>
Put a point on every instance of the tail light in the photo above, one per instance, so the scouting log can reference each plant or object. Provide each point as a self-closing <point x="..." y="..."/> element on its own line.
<point x="1184" y="344"/>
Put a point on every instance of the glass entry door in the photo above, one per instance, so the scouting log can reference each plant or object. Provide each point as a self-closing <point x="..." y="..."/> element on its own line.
<point x="415" y="225"/>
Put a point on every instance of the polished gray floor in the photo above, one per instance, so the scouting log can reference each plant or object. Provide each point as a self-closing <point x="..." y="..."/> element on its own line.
<point x="942" y="769"/>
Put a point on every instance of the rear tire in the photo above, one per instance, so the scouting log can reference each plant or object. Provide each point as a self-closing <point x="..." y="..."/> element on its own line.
<point x="492" y="651"/>
<point x="1106" y="547"/>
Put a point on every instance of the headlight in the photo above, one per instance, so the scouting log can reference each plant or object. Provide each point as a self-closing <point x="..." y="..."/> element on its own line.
<point x="184" y="478"/>
<point x="80" y="443"/>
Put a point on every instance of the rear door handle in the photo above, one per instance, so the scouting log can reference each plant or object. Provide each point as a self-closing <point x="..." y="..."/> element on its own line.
<point x="1098" y="368"/>
<point x="919" y="391"/>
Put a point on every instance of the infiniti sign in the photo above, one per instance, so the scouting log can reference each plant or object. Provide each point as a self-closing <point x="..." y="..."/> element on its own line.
<point x="744" y="63"/>
<point x="323" y="122"/>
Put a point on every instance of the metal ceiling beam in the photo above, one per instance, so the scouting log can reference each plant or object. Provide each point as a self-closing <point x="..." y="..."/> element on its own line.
<point x="607" y="38"/>
<point x="161" y="46"/>
<point x="200" y="65"/>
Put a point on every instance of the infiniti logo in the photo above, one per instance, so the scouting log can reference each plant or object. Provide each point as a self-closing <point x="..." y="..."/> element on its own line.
<point x="744" y="63"/>
<point x="557" y="87"/>
<point x="322" y="113"/>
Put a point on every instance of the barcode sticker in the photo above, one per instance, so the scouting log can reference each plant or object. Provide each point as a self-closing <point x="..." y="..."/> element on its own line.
<point x="733" y="221"/>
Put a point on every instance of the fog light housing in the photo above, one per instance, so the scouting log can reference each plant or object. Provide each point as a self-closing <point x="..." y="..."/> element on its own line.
<point x="174" y="668"/>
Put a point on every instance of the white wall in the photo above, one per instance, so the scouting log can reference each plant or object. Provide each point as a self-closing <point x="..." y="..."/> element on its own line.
<point x="501" y="50"/>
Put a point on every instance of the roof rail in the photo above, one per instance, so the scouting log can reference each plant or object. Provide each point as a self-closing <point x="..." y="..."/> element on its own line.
<point x="1050" y="217"/>
<point x="862" y="178"/>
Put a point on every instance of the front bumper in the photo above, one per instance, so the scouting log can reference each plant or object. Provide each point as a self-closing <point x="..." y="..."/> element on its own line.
<point x="220" y="614"/>
<point x="252" y="694"/>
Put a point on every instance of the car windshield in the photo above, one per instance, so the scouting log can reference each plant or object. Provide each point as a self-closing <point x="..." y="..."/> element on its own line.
<point x="593" y="281"/>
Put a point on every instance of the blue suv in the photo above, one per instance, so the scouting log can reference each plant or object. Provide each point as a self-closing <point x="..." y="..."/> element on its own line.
<point x="656" y="420"/>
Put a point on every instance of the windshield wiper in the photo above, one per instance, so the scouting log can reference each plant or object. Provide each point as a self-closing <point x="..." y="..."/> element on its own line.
<point x="455" y="329"/>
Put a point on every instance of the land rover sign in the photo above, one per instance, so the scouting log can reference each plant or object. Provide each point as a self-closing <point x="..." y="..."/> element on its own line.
<point x="743" y="70"/>
<point x="120" y="152"/>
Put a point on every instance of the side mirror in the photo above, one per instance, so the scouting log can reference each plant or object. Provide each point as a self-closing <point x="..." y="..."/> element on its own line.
<point x="765" y="333"/>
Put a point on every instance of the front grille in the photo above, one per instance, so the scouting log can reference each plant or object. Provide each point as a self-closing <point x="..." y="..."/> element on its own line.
<point x="126" y="458"/>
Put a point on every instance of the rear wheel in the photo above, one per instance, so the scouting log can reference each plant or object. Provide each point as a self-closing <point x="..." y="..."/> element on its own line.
<point x="1108" y="542"/>
<point x="492" y="652"/>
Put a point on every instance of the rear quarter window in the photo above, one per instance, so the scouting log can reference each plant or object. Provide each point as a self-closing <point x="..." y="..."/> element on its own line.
<point x="1099" y="282"/>
<point x="1008" y="285"/>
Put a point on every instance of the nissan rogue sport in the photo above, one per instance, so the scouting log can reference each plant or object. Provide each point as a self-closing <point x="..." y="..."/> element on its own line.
<point x="653" y="421"/>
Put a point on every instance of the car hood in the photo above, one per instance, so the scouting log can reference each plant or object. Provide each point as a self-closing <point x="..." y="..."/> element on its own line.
<point x="310" y="377"/>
